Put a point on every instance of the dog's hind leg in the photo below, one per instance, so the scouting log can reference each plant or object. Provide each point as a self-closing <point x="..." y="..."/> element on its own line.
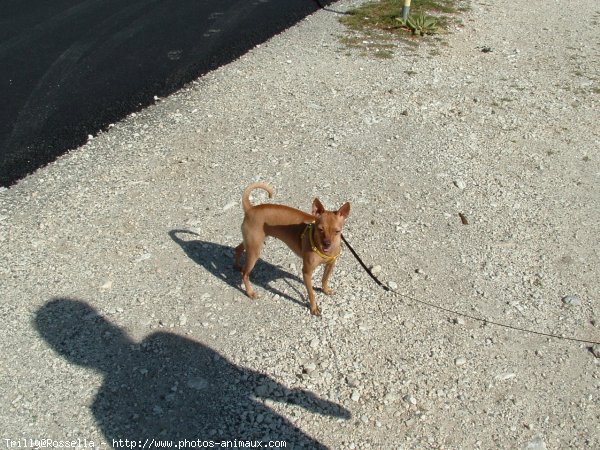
<point x="253" y="249"/>
<point x="238" y="255"/>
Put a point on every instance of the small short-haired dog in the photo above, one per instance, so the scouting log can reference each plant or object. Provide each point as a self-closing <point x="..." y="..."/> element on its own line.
<point x="315" y="238"/>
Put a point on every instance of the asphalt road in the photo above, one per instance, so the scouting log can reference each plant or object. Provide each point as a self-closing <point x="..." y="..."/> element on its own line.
<point x="68" y="68"/>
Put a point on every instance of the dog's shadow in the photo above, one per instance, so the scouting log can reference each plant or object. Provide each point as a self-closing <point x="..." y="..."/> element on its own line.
<point x="218" y="260"/>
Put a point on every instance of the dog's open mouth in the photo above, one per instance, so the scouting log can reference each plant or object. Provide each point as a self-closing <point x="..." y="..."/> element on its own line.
<point x="326" y="248"/>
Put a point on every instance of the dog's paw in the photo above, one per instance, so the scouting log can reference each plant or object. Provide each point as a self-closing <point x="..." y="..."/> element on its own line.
<point x="328" y="291"/>
<point x="316" y="311"/>
<point x="253" y="295"/>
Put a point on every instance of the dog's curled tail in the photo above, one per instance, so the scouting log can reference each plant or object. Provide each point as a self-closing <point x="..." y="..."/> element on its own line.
<point x="249" y="189"/>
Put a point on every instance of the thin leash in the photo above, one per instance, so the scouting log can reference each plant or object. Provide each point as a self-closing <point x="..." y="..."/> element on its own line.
<point x="458" y="313"/>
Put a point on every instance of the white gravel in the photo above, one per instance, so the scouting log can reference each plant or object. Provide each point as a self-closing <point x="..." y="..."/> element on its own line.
<point x="116" y="325"/>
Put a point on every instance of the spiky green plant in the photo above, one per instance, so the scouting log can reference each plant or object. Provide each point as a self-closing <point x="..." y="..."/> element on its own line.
<point x="421" y="24"/>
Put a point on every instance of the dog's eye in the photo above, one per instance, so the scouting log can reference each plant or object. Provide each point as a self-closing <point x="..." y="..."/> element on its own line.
<point x="338" y="231"/>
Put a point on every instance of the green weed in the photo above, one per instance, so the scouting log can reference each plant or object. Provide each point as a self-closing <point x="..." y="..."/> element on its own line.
<point x="383" y="19"/>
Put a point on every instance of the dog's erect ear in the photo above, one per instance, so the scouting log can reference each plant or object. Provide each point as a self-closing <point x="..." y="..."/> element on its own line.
<point x="317" y="207"/>
<point x="344" y="211"/>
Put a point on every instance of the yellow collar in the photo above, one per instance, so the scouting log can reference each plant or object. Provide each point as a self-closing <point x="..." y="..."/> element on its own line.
<point x="327" y="258"/>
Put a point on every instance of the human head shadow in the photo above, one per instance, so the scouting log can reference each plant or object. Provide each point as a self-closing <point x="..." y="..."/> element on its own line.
<point x="218" y="260"/>
<point x="172" y="388"/>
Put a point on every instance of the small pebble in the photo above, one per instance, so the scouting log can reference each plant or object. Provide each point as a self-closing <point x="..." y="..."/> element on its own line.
<point x="310" y="367"/>
<point x="352" y="382"/>
<point x="390" y="398"/>
<point x="410" y="399"/>
<point x="363" y="327"/>
<point x="505" y="376"/>
<point x="571" y="300"/>
<point x="460" y="184"/>
<point x="460" y="361"/>
<point x="537" y="443"/>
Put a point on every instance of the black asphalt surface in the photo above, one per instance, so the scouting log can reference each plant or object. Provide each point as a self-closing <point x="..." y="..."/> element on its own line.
<point x="68" y="68"/>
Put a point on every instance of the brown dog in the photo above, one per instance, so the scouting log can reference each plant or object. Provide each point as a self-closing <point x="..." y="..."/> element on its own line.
<point x="315" y="238"/>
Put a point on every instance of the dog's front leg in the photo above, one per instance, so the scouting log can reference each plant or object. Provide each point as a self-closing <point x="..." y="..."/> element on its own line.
<point x="326" y="274"/>
<point x="307" y="275"/>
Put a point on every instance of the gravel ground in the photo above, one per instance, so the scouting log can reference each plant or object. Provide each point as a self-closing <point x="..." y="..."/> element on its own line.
<point x="123" y="318"/>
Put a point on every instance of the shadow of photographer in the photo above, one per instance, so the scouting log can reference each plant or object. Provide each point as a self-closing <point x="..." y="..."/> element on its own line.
<point x="168" y="387"/>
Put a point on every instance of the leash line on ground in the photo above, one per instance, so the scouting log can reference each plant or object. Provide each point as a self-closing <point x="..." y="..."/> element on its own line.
<point x="458" y="313"/>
